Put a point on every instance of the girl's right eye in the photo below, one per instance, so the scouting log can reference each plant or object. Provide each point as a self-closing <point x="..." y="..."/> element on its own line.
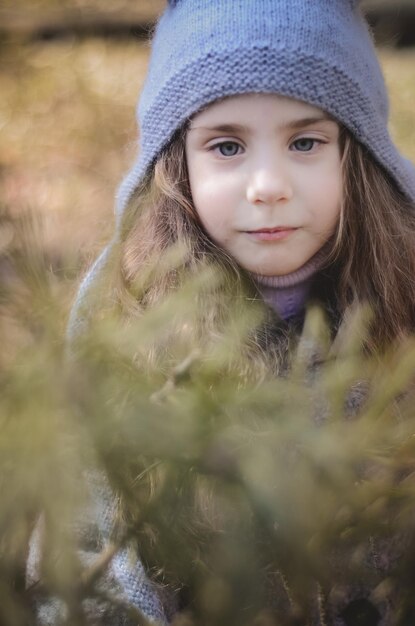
<point x="227" y="148"/>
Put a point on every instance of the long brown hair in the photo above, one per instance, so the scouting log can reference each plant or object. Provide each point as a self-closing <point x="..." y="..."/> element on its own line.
<point x="375" y="247"/>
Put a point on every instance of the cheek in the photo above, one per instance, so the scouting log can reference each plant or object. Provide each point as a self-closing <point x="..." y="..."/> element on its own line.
<point x="214" y="220"/>
<point x="335" y="195"/>
<point x="327" y="191"/>
<point x="214" y="202"/>
<point x="331" y="215"/>
<point x="208" y="205"/>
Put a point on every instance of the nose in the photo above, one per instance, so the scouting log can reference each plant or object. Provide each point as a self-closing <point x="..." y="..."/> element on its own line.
<point x="269" y="184"/>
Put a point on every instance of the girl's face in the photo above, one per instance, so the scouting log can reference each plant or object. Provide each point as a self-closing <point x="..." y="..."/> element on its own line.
<point x="266" y="181"/>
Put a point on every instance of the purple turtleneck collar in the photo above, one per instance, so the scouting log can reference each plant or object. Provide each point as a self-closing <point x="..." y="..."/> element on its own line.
<point x="288" y="294"/>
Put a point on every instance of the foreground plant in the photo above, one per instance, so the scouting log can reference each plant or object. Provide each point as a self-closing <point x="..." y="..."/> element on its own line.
<point x="251" y="499"/>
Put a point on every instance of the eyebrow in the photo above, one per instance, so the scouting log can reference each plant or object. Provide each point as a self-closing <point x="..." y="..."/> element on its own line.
<point x="293" y="125"/>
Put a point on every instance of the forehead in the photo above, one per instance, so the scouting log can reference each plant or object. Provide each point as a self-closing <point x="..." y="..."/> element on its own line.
<point x="257" y="106"/>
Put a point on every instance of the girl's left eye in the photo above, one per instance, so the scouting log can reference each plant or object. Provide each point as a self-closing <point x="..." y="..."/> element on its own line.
<point x="227" y="148"/>
<point x="305" y="144"/>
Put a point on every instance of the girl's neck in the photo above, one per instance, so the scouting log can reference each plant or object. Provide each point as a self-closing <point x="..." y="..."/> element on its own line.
<point x="288" y="294"/>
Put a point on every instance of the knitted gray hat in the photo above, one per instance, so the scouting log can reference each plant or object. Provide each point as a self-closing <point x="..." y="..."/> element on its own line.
<point x="317" y="51"/>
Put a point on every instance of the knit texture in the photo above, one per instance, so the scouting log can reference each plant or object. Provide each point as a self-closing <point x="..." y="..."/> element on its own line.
<point x="288" y="294"/>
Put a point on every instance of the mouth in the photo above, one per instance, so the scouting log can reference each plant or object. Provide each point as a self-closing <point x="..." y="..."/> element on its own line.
<point x="271" y="234"/>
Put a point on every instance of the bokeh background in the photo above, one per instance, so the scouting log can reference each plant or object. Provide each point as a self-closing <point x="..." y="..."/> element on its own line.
<point x="70" y="75"/>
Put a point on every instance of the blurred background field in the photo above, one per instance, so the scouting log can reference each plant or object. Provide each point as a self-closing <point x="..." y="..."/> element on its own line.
<point x="67" y="116"/>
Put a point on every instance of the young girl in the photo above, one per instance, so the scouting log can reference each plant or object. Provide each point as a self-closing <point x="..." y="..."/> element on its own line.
<point x="264" y="149"/>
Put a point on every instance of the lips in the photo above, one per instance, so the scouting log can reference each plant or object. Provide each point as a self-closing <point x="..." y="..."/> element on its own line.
<point x="275" y="229"/>
<point x="271" y="234"/>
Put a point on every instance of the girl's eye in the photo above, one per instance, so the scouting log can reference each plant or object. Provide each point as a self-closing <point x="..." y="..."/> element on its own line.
<point x="305" y="144"/>
<point x="228" y="148"/>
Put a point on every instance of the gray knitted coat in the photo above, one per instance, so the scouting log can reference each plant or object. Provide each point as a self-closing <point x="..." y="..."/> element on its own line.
<point x="125" y="579"/>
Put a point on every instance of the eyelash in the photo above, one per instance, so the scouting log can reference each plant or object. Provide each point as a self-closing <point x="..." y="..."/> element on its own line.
<point x="313" y="139"/>
<point x="217" y="146"/>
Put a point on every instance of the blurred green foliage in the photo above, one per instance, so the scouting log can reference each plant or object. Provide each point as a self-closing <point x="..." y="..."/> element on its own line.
<point x="294" y="477"/>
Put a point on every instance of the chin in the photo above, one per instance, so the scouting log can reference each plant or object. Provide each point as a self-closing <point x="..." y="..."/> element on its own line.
<point x="266" y="270"/>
